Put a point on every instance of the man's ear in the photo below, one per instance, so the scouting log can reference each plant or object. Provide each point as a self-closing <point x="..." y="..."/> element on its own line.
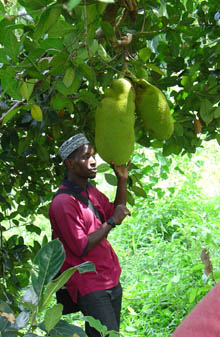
<point x="69" y="163"/>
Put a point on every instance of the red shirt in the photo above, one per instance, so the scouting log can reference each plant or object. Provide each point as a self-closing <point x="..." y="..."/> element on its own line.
<point x="71" y="222"/>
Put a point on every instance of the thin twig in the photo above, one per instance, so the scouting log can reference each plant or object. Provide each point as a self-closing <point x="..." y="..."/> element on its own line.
<point x="16" y="105"/>
<point x="86" y="28"/>
<point x="143" y="24"/>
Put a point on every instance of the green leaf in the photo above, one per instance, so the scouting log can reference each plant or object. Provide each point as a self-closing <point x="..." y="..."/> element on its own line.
<point x="26" y="88"/>
<point x="96" y="324"/>
<point x="11" y="44"/>
<point x="72" y="4"/>
<point x="65" y="329"/>
<point x="205" y="111"/>
<point x="69" y="77"/>
<point x="57" y="63"/>
<point x="103" y="54"/>
<point x="140" y="192"/>
<point x="178" y="129"/>
<point x="88" y="97"/>
<point x="42" y="26"/>
<point x="218" y="138"/>
<point x="42" y="152"/>
<point x="33" y="229"/>
<point x="144" y="54"/>
<point x="199" y="266"/>
<point x="52" y="316"/>
<point x="51" y="43"/>
<point x="36" y="112"/>
<point x="217" y="112"/>
<point x="54" y="285"/>
<point x="112" y="180"/>
<point x="34" y="4"/>
<point x="154" y="68"/>
<point x="59" y="102"/>
<point x="49" y="260"/>
<point x="47" y="20"/>
<point x="3" y="57"/>
<point x="103" y="168"/>
<point x="10" y="115"/>
<point x="171" y="148"/>
<point x="88" y="72"/>
<point x="72" y="89"/>
<point x="107" y="29"/>
<point x="192" y="295"/>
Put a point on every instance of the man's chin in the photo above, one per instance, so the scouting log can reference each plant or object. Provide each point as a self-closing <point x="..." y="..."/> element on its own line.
<point x="92" y="175"/>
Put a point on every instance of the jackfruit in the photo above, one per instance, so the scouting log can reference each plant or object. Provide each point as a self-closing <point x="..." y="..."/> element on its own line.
<point x="114" y="119"/>
<point x="154" y="110"/>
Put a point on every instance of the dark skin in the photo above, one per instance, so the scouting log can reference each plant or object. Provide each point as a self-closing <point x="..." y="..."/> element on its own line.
<point x="81" y="165"/>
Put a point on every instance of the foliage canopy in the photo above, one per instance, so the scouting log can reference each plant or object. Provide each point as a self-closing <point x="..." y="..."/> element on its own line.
<point x="57" y="57"/>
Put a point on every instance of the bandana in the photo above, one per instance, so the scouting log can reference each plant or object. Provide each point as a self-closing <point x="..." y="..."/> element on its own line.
<point x="72" y="144"/>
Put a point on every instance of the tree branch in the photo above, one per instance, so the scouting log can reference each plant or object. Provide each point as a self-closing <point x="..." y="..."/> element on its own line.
<point x="16" y="105"/>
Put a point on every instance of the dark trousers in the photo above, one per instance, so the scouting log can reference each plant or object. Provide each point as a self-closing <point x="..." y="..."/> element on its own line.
<point x="104" y="305"/>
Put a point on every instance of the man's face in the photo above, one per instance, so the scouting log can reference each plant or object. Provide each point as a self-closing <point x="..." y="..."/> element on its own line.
<point x="83" y="162"/>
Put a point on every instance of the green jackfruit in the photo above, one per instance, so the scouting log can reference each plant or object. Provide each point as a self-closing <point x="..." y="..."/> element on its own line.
<point x="114" y="130"/>
<point x="153" y="108"/>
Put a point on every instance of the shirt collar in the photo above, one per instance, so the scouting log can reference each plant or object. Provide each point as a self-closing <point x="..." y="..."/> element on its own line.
<point x="76" y="188"/>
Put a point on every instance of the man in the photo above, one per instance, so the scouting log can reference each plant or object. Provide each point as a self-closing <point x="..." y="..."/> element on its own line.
<point x="84" y="236"/>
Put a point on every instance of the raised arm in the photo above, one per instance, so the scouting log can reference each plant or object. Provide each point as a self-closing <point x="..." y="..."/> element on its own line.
<point x="121" y="173"/>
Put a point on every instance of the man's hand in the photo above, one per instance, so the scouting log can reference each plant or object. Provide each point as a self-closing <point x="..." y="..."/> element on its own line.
<point x="121" y="171"/>
<point x="120" y="212"/>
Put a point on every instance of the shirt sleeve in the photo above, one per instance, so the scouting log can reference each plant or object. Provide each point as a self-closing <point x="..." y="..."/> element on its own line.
<point x="68" y="223"/>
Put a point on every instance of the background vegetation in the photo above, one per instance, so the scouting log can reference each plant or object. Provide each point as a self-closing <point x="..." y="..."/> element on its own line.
<point x="56" y="59"/>
<point x="159" y="246"/>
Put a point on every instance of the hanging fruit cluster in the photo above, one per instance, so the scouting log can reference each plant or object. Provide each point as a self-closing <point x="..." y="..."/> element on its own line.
<point x="115" y="118"/>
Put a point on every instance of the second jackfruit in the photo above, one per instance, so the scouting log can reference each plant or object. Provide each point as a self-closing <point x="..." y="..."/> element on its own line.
<point x="153" y="108"/>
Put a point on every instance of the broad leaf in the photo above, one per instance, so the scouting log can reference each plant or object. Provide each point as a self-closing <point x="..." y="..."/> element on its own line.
<point x="73" y="3"/>
<point x="36" y="112"/>
<point x="95" y="323"/>
<point x="49" y="260"/>
<point x="69" y="77"/>
<point x="65" y="329"/>
<point x="54" y="285"/>
<point x="205" y="111"/>
<point x="10" y="115"/>
<point x="140" y="192"/>
<point x="34" y="4"/>
<point x="103" y="168"/>
<point x="52" y="316"/>
<point x="111" y="179"/>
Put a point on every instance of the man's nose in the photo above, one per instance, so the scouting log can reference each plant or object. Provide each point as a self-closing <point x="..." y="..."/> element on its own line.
<point x="92" y="161"/>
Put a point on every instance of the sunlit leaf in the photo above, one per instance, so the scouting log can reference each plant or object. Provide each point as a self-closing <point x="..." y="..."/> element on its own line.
<point x="10" y="115"/>
<point x="73" y="3"/>
<point x="36" y="112"/>
<point x="69" y="77"/>
<point x="144" y="54"/>
<point x="52" y="316"/>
